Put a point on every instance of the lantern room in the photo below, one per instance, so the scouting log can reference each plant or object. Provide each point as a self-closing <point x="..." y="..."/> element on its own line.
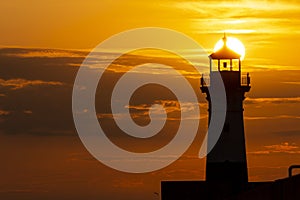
<point x="225" y="58"/>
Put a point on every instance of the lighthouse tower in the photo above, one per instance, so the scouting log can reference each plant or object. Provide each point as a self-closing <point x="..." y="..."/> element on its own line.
<point x="226" y="163"/>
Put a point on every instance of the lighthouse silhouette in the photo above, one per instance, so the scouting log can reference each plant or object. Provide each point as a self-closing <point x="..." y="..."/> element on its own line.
<point x="226" y="162"/>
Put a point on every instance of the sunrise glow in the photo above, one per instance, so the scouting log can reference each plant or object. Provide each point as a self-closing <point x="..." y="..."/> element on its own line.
<point x="234" y="44"/>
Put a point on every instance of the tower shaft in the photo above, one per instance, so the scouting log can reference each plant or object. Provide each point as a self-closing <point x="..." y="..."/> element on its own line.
<point x="226" y="162"/>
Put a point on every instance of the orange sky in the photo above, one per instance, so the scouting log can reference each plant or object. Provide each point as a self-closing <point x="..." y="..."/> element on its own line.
<point x="268" y="28"/>
<point x="43" y="156"/>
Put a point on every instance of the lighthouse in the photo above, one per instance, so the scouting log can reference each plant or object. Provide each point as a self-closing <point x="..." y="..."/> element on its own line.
<point x="226" y="163"/>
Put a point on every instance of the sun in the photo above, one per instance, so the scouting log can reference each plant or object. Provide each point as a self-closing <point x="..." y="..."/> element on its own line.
<point x="234" y="44"/>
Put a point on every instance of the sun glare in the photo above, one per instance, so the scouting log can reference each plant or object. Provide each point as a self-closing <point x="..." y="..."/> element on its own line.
<point x="234" y="44"/>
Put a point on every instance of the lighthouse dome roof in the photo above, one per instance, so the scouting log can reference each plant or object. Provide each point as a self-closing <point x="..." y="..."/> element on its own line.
<point x="225" y="52"/>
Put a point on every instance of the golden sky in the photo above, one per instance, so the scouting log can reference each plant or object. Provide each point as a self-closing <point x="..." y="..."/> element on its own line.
<point x="268" y="28"/>
<point x="44" y="42"/>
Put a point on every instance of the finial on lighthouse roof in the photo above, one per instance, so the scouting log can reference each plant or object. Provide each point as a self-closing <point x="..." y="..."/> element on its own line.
<point x="225" y="39"/>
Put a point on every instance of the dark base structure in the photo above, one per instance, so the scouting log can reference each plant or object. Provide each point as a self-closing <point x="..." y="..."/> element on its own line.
<point x="229" y="174"/>
<point x="283" y="189"/>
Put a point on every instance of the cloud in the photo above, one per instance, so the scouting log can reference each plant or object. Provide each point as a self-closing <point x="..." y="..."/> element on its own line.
<point x="4" y="112"/>
<point x="292" y="83"/>
<point x="29" y="112"/>
<point x="16" y="84"/>
<point x="285" y="147"/>
<point x="271" y="117"/>
<point x="171" y="107"/>
<point x="293" y="100"/>
<point x="271" y="67"/>
<point x="238" y="8"/>
<point x="38" y="90"/>
<point x="42" y="53"/>
<point x="243" y="16"/>
<point x="26" y="72"/>
<point x="153" y="63"/>
<point x="58" y="68"/>
<point x="263" y="108"/>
